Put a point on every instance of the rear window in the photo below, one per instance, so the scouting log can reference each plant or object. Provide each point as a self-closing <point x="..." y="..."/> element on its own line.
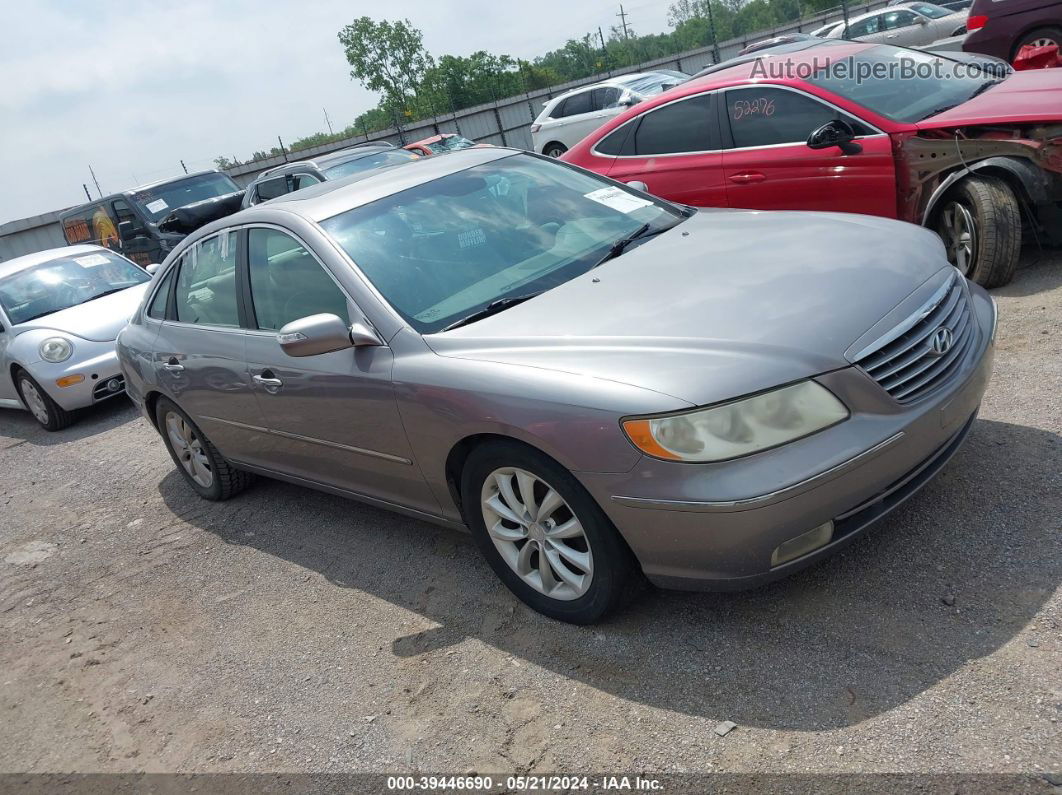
<point x="389" y="158"/>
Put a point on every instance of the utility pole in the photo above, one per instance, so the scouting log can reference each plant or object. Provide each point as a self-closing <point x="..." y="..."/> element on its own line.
<point x="844" y="10"/>
<point x="87" y="194"/>
<point x="93" y="173"/>
<point x="604" y="51"/>
<point x="328" y="121"/>
<point x="711" y="29"/>
<point x="623" y="20"/>
<point x="184" y="167"/>
<point x="283" y="151"/>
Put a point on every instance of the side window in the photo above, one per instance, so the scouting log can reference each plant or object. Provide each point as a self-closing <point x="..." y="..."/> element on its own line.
<point x="863" y="28"/>
<point x="767" y="116"/>
<point x="273" y="187"/>
<point x="305" y="181"/>
<point x="684" y="126"/>
<point x="602" y="98"/>
<point x="620" y="141"/>
<point x="92" y="223"/>
<point x="574" y="105"/>
<point x="160" y="302"/>
<point x="206" y="283"/>
<point x="124" y="213"/>
<point x="898" y="19"/>
<point x="287" y="283"/>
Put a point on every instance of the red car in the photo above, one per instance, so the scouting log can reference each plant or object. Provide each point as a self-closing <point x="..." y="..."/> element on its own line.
<point x="859" y="128"/>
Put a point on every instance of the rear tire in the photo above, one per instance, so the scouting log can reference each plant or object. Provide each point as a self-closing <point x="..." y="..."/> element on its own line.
<point x="1040" y="36"/>
<point x="198" y="461"/>
<point x="46" y="411"/>
<point x="554" y="149"/>
<point x="980" y="223"/>
<point x="575" y="566"/>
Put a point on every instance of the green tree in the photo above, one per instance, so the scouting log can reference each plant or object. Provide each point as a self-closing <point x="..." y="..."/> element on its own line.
<point x="388" y="57"/>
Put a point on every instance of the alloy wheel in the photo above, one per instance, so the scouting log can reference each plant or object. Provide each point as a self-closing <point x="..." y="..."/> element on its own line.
<point x="35" y="402"/>
<point x="537" y="533"/>
<point x="189" y="449"/>
<point x="959" y="233"/>
<point x="1041" y="42"/>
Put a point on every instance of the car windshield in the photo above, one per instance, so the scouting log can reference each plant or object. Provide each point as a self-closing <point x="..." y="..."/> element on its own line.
<point x="903" y="85"/>
<point x="509" y="228"/>
<point x="450" y="143"/>
<point x="64" y="282"/>
<point x="389" y="158"/>
<point x="160" y="200"/>
<point x="929" y="10"/>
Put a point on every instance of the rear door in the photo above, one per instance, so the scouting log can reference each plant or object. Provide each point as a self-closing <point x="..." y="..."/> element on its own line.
<point x="767" y="164"/>
<point x="575" y="118"/>
<point x="902" y="27"/>
<point x="200" y="350"/>
<point x="675" y="150"/>
<point x="333" y="416"/>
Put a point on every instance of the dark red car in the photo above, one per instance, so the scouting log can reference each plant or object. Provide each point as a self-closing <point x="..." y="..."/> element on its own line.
<point x="1002" y="27"/>
<point x="971" y="154"/>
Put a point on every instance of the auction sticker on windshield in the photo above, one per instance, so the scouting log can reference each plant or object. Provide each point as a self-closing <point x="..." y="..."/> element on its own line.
<point x="157" y="206"/>
<point x="617" y="199"/>
<point x="91" y="261"/>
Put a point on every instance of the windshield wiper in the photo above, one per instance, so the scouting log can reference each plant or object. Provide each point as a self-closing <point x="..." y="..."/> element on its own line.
<point x="620" y="245"/>
<point x="493" y="308"/>
<point x="100" y="295"/>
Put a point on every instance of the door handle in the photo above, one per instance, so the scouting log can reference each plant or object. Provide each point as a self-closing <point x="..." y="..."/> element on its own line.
<point x="890" y="36"/>
<point x="173" y="365"/>
<point x="268" y="381"/>
<point x="748" y="176"/>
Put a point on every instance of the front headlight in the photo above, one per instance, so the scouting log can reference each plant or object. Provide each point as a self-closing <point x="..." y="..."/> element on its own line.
<point x="739" y="428"/>
<point x="56" y="349"/>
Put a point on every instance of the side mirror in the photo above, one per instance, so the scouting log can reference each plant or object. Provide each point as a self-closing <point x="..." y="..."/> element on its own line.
<point x="835" y="133"/>
<point x="921" y="21"/>
<point x="127" y="230"/>
<point x="626" y="100"/>
<point x="638" y="185"/>
<point x="315" y="334"/>
<point x="153" y="268"/>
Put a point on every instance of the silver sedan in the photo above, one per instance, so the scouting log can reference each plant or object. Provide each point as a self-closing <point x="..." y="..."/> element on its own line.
<point x="599" y="384"/>
<point x="60" y="313"/>
<point x="911" y="24"/>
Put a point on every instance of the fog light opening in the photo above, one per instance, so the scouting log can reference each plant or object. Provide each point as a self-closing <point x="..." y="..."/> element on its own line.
<point x="114" y="385"/>
<point x="802" y="544"/>
<point x="69" y="380"/>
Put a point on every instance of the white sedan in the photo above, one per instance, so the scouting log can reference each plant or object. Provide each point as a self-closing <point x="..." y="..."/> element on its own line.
<point x="913" y="24"/>
<point x="568" y="118"/>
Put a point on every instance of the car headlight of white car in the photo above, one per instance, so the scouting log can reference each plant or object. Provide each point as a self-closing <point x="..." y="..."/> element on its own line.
<point x="56" y="349"/>
<point x="740" y="427"/>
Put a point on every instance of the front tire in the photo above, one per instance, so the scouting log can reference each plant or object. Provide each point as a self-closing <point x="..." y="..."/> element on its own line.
<point x="980" y="224"/>
<point x="46" y="411"/>
<point x="203" y="467"/>
<point x="554" y="149"/>
<point x="544" y="535"/>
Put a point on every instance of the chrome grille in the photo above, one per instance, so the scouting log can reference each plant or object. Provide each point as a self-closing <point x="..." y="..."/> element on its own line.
<point x="905" y="362"/>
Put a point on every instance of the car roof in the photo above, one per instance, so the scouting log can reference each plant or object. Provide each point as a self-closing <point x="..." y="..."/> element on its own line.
<point x="618" y="80"/>
<point x="326" y="199"/>
<point x="327" y="160"/>
<point x="796" y="52"/>
<point x="36" y="258"/>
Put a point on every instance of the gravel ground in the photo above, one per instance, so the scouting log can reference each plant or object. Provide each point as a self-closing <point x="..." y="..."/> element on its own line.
<point x="145" y="629"/>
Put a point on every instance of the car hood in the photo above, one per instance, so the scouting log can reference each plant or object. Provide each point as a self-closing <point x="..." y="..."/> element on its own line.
<point x="727" y="303"/>
<point x="1024" y="97"/>
<point x="99" y="320"/>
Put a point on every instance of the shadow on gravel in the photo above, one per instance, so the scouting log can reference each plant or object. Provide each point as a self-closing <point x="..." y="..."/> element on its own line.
<point x="15" y="424"/>
<point x="950" y="577"/>
<point x="1039" y="270"/>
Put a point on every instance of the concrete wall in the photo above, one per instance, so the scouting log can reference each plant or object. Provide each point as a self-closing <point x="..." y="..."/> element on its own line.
<point x="506" y="122"/>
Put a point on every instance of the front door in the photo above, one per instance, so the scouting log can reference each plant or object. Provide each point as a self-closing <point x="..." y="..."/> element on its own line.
<point x="768" y="166"/>
<point x="140" y="248"/>
<point x="333" y="416"/>
<point x="200" y="352"/>
<point x="674" y="150"/>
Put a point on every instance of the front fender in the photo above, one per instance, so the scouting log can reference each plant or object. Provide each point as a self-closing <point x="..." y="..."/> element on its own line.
<point x="1035" y="181"/>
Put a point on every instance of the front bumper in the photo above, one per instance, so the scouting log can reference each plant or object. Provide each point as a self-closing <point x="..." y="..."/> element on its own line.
<point x="715" y="526"/>
<point x="96" y="361"/>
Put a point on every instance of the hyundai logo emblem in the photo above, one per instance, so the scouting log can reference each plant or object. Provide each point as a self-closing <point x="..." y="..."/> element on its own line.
<point x="941" y="341"/>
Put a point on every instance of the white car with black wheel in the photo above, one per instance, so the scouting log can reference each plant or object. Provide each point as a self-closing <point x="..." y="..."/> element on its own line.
<point x="60" y="314"/>
<point x="568" y="118"/>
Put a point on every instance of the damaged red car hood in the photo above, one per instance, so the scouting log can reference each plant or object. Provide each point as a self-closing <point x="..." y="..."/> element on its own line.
<point x="1024" y="97"/>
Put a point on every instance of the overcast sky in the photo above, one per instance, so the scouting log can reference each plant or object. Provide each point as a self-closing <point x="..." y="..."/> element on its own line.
<point x="133" y="88"/>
